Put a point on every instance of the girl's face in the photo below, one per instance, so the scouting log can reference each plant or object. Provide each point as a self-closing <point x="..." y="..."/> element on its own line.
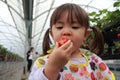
<point x="73" y="31"/>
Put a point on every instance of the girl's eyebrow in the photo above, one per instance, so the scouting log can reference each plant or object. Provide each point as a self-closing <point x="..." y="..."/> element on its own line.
<point x="74" y="21"/>
<point x="60" y="22"/>
<point x="63" y="22"/>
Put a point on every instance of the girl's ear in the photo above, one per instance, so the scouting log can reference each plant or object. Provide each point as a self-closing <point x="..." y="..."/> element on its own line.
<point x="87" y="34"/>
<point x="50" y="32"/>
<point x="51" y="36"/>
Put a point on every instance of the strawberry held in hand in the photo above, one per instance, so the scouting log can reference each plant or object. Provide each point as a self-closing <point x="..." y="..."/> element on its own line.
<point x="62" y="41"/>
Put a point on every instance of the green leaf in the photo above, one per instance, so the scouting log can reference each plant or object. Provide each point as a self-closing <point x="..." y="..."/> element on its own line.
<point x="116" y="4"/>
<point x="92" y="14"/>
<point x="65" y="68"/>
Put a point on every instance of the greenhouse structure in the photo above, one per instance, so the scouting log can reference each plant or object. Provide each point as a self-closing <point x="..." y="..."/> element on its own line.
<point x="23" y="24"/>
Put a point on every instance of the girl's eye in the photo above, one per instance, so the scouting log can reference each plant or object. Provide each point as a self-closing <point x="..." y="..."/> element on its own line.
<point x="60" y="27"/>
<point x="75" y="27"/>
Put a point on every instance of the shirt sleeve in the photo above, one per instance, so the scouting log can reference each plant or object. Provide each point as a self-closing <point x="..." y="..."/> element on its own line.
<point x="37" y="75"/>
<point x="100" y="69"/>
<point x="37" y="70"/>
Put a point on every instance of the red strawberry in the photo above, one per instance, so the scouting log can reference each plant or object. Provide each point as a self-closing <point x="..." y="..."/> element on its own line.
<point x="92" y="76"/>
<point x="96" y="60"/>
<point x="62" y="41"/>
<point x="102" y="66"/>
<point x="74" y="68"/>
<point x="118" y="35"/>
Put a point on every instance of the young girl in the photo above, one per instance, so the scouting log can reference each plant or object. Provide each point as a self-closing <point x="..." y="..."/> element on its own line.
<point x="69" y="61"/>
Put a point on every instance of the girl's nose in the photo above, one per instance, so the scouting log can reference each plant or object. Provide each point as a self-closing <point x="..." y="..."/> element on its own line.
<point x="67" y="33"/>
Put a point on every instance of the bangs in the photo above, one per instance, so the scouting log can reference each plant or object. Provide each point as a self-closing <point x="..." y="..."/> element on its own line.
<point x="74" y="11"/>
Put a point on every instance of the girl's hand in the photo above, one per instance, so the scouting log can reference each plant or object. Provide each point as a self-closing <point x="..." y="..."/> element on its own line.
<point x="61" y="54"/>
<point x="58" y="58"/>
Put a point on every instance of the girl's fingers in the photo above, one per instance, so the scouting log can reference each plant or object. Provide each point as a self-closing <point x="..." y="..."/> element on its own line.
<point x="69" y="49"/>
<point x="56" y="45"/>
<point x="66" y="45"/>
<point x="66" y="48"/>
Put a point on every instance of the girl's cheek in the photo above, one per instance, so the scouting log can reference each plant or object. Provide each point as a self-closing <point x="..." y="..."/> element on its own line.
<point x="77" y="43"/>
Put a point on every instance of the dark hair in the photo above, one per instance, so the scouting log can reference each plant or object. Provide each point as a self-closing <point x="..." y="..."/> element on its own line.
<point x="36" y="52"/>
<point x="96" y="45"/>
<point x="73" y="10"/>
<point x="30" y="50"/>
<point x="46" y="42"/>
